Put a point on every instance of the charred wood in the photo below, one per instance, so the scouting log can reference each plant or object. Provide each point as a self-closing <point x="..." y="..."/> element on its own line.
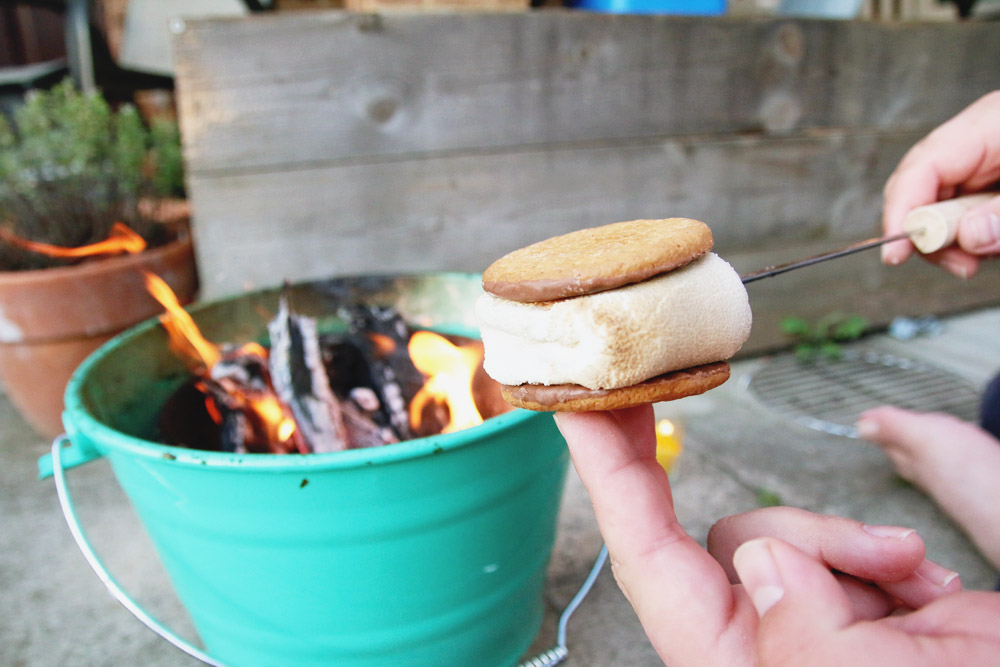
<point x="300" y="381"/>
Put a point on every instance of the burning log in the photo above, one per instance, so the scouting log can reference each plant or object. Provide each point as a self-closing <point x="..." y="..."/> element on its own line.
<point x="365" y="402"/>
<point x="231" y="408"/>
<point x="381" y="336"/>
<point x="375" y="384"/>
<point x="300" y="381"/>
<point x="252" y="419"/>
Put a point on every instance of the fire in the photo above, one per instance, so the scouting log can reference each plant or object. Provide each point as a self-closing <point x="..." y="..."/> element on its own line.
<point x="185" y="337"/>
<point x="280" y="425"/>
<point x="187" y="341"/>
<point x="450" y="370"/>
<point x="120" y="239"/>
<point x="447" y="392"/>
<point x="384" y="346"/>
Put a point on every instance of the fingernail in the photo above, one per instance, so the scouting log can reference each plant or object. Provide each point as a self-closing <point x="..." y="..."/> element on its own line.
<point x="766" y="597"/>
<point x="956" y="266"/>
<point x="984" y="228"/>
<point x="889" y="257"/>
<point x="867" y="429"/>
<point x="895" y="532"/>
<point x="759" y="573"/>
<point x="936" y="574"/>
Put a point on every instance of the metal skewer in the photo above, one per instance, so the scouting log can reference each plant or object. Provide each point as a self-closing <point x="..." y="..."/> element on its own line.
<point x="930" y="228"/>
<point x="809" y="261"/>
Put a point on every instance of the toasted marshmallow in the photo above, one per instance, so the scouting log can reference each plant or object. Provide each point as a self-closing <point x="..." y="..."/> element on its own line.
<point x="693" y="315"/>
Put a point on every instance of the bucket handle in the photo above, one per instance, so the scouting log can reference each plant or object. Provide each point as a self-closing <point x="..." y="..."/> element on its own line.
<point x="71" y="455"/>
<point x="58" y="473"/>
<point x="560" y="651"/>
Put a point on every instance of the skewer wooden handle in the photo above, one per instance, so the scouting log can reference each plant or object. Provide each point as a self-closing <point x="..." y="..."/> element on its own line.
<point x="935" y="226"/>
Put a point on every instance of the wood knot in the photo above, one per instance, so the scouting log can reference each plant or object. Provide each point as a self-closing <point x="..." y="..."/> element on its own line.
<point x="382" y="110"/>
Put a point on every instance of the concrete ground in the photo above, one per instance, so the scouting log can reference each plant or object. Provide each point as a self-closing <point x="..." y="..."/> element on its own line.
<point x="738" y="452"/>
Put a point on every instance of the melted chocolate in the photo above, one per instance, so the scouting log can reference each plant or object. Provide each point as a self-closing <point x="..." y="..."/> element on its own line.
<point x="555" y="394"/>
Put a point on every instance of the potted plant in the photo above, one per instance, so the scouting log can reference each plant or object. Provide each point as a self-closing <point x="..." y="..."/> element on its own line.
<point x="70" y="168"/>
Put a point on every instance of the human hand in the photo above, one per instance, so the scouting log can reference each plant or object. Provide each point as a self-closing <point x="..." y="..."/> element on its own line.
<point x="961" y="156"/>
<point x="790" y="607"/>
<point x="955" y="462"/>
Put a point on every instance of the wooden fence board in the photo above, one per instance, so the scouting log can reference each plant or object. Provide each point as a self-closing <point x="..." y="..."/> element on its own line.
<point x="324" y="86"/>
<point x="459" y="212"/>
<point x="330" y="143"/>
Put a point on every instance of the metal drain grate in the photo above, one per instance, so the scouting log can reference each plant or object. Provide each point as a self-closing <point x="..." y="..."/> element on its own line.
<point x="828" y="394"/>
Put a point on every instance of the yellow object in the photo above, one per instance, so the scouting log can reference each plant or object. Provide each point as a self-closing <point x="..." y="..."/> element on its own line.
<point x="668" y="443"/>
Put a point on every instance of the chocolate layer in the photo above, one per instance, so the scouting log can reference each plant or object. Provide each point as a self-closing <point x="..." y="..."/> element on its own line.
<point x="574" y="397"/>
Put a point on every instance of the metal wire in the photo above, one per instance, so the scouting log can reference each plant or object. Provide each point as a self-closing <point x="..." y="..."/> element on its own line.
<point x="828" y="394"/>
<point x="62" y="491"/>
<point x="816" y="259"/>
<point x="559" y="652"/>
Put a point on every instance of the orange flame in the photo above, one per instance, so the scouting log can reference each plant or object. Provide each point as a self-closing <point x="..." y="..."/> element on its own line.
<point x="280" y="425"/>
<point x="187" y="341"/>
<point x="185" y="337"/>
<point x="450" y="370"/>
<point x="384" y="346"/>
<point x="120" y="239"/>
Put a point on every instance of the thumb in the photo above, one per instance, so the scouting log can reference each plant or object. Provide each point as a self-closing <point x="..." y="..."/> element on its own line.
<point x="800" y="603"/>
<point x="979" y="229"/>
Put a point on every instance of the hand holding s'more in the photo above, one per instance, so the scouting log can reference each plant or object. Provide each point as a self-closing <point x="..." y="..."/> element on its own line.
<point x="612" y="317"/>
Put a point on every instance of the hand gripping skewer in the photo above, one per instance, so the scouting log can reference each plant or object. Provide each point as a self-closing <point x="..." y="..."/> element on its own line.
<point x="930" y="228"/>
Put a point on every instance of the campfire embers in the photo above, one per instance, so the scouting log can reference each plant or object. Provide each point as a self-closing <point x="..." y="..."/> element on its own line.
<point x="376" y="352"/>
<point x="239" y="398"/>
<point x="310" y="393"/>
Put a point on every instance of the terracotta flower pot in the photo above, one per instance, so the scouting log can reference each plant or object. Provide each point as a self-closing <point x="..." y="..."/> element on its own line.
<point x="51" y="319"/>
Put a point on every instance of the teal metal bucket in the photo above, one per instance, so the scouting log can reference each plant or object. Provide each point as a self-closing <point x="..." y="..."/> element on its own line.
<point x="426" y="552"/>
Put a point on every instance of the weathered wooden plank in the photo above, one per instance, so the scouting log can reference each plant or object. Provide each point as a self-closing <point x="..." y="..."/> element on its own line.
<point x="459" y="212"/>
<point x="325" y="144"/>
<point x="768" y="201"/>
<point x="306" y="88"/>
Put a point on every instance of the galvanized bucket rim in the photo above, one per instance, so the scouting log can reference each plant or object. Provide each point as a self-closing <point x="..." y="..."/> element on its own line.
<point x="79" y="421"/>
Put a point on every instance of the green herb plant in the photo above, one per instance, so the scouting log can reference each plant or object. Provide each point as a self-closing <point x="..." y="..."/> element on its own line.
<point x="826" y="337"/>
<point x="71" y="166"/>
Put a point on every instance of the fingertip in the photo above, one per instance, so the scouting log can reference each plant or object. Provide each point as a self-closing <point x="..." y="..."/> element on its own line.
<point x="868" y="428"/>
<point x="565" y="423"/>
<point x="755" y="564"/>
<point x="892" y="532"/>
<point x="979" y="229"/>
<point x="797" y="592"/>
<point x="940" y="576"/>
<point x="571" y="421"/>
<point x="580" y="430"/>
<point x="873" y="423"/>
<point x="888" y="256"/>
<point x="894" y="254"/>
<point x="958" y="263"/>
